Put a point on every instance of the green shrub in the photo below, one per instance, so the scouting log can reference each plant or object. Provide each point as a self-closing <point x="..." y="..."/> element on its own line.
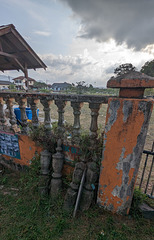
<point x="138" y="198"/>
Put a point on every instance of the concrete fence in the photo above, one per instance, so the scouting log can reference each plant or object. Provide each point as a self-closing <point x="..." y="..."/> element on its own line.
<point x="127" y="121"/>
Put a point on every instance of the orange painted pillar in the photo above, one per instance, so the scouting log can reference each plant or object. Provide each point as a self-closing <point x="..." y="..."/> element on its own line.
<point x="126" y="127"/>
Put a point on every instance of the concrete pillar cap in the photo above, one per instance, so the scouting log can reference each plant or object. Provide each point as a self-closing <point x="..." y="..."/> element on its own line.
<point x="131" y="84"/>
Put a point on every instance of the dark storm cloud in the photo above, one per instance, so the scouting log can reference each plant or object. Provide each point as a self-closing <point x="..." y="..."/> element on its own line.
<point x="130" y="21"/>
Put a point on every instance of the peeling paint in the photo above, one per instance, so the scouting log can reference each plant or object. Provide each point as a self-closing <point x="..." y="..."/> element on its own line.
<point x="114" y="106"/>
<point x="125" y="132"/>
<point x="116" y="191"/>
<point x="127" y="109"/>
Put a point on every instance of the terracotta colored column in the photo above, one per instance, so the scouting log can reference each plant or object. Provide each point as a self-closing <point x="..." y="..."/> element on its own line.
<point x="126" y="127"/>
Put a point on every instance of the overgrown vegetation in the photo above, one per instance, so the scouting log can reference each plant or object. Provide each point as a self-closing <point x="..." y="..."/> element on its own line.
<point x="40" y="85"/>
<point x="44" y="137"/>
<point x="87" y="151"/>
<point x="149" y="92"/>
<point x="124" y="68"/>
<point x="87" y="90"/>
<point x="25" y="215"/>
<point x="48" y="139"/>
<point x="138" y="199"/>
<point x="148" y="68"/>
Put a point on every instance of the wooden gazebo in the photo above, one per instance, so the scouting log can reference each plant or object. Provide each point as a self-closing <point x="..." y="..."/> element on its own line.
<point x="15" y="53"/>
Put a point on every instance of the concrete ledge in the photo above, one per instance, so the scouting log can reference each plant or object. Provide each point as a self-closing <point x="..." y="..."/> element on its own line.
<point x="147" y="211"/>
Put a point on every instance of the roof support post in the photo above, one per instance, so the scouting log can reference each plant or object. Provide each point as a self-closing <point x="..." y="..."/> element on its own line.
<point x="26" y="76"/>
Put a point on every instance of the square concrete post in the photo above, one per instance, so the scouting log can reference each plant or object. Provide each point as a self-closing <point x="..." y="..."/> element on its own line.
<point x="126" y="127"/>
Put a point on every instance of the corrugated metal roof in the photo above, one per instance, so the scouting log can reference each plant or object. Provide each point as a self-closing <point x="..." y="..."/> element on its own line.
<point x="15" y="53"/>
<point x="4" y="82"/>
<point x="60" y="85"/>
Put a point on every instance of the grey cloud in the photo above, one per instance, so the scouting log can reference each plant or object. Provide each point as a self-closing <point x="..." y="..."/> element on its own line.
<point x="63" y="62"/>
<point x="129" y="21"/>
<point x="110" y="70"/>
<point x="73" y="69"/>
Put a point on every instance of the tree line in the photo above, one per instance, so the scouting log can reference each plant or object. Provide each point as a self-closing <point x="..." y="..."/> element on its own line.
<point x="147" y="68"/>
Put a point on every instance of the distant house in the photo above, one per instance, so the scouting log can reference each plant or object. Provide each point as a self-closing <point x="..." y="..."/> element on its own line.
<point x="49" y="86"/>
<point x="4" y="84"/>
<point x="60" y="86"/>
<point x="21" y="82"/>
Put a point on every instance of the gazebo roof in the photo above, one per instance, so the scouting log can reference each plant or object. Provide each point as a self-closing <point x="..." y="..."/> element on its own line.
<point x="15" y="53"/>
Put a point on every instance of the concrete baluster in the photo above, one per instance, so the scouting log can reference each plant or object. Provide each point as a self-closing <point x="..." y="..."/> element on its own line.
<point x="72" y="192"/>
<point x="2" y="114"/>
<point x="13" y="120"/>
<point x="57" y="165"/>
<point x="47" y="118"/>
<point x="90" y="185"/>
<point x="76" y="126"/>
<point x="33" y="105"/>
<point x="22" y="105"/>
<point x="44" y="179"/>
<point x="61" y="105"/>
<point x="94" y="107"/>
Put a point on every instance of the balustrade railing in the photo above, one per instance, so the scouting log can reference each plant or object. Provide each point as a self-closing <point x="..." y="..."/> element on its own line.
<point x="8" y="121"/>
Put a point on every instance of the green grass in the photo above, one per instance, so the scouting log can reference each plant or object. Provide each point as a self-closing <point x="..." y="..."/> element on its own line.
<point x="25" y="215"/>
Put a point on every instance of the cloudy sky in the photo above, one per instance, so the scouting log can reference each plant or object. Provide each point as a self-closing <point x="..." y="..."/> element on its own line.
<point x="83" y="40"/>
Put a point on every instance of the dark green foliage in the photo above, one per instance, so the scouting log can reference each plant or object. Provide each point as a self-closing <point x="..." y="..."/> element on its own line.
<point x="149" y="92"/>
<point x="44" y="90"/>
<point x="40" y="85"/>
<point x="124" y="68"/>
<point x="81" y="87"/>
<point x="30" y="179"/>
<point x="85" y="146"/>
<point x="138" y="198"/>
<point x="148" y="68"/>
<point x="12" y="86"/>
<point x="44" y="137"/>
<point x="48" y="140"/>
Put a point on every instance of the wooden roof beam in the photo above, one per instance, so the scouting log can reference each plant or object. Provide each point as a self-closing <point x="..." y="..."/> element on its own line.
<point x="21" y="39"/>
<point x="8" y="55"/>
<point x="1" y="49"/>
<point x="6" y="30"/>
<point x="9" y="43"/>
<point x="19" y="64"/>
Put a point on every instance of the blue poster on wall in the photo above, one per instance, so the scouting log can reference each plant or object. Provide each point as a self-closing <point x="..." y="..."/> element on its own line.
<point x="9" y="145"/>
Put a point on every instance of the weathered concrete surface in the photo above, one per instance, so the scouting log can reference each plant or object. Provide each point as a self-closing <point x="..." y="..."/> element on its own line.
<point x="125" y="132"/>
<point x="132" y="79"/>
<point x="131" y="84"/>
<point x="131" y="92"/>
<point x="147" y="211"/>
